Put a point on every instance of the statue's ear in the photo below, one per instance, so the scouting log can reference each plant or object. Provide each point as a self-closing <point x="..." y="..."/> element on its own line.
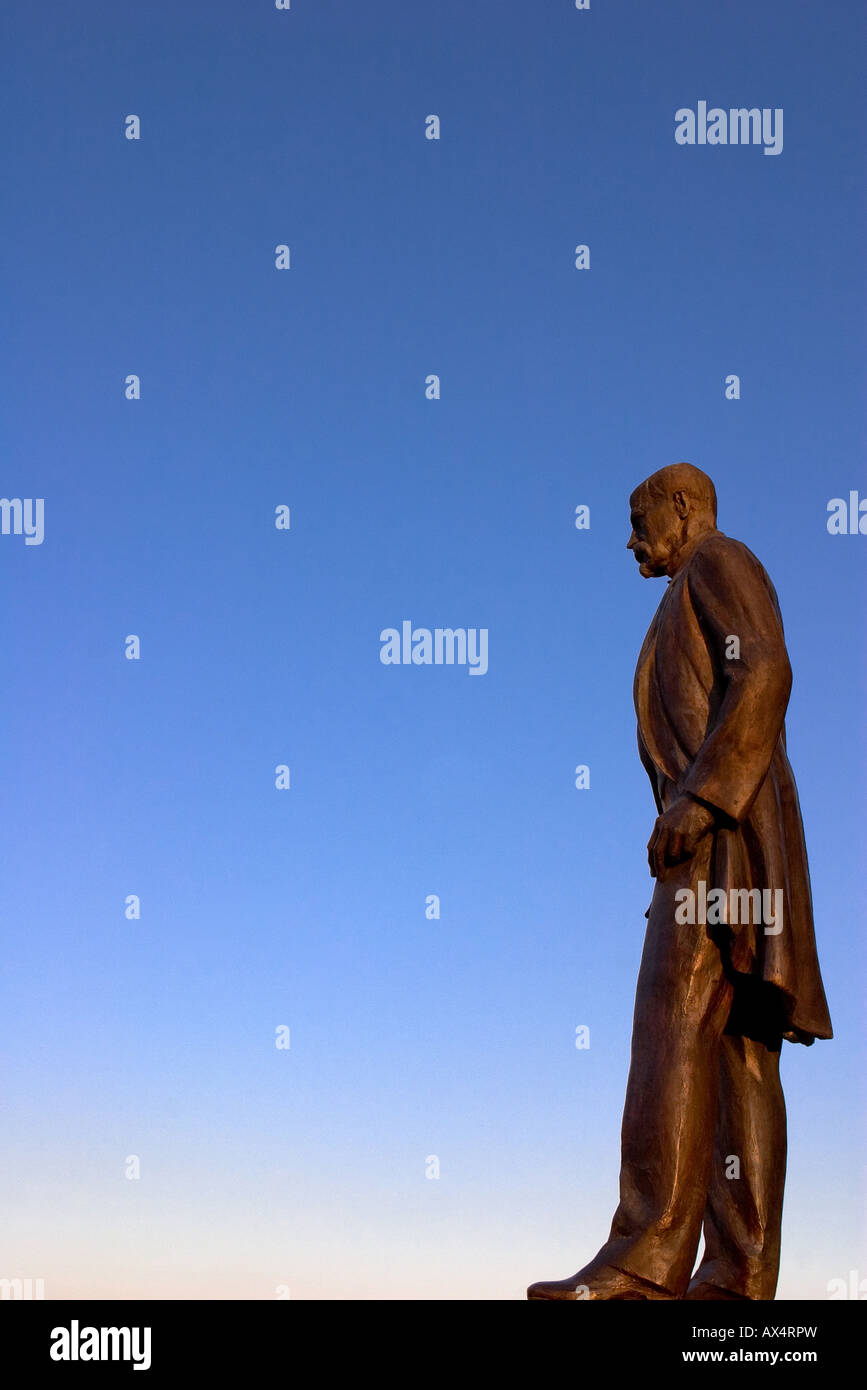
<point x="681" y="504"/>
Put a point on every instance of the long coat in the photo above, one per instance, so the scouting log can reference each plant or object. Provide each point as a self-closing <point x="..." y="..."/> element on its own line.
<point x="711" y="723"/>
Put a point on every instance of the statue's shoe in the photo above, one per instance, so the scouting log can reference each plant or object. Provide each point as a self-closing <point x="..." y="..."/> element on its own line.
<point x="606" y="1282"/>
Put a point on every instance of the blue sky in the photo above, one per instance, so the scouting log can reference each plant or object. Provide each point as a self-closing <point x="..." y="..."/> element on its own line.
<point x="409" y="1038"/>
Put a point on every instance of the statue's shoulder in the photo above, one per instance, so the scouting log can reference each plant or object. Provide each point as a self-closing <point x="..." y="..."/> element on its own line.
<point x="721" y="565"/>
<point x="716" y="551"/>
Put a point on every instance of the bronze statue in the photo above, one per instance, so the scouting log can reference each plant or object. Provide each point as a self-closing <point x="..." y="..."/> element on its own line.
<point x="729" y="967"/>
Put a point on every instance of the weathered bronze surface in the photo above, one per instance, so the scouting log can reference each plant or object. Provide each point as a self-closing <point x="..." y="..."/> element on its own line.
<point x="703" y="1142"/>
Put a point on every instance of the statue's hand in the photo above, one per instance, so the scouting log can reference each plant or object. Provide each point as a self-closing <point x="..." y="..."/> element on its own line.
<point x="676" y="834"/>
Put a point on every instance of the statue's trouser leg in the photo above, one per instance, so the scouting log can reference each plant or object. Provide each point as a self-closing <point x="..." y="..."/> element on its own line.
<point x="745" y="1195"/>
<point x="682" y="1004"/>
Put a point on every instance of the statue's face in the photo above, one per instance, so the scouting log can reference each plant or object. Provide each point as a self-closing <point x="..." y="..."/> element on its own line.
<point x="656" y="532"/>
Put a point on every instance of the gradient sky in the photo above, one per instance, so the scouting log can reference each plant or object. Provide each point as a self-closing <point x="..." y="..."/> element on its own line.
<point x="409" y="1038"/>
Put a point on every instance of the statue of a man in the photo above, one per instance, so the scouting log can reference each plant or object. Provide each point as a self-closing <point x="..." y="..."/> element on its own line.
<point x="729" y="967"/>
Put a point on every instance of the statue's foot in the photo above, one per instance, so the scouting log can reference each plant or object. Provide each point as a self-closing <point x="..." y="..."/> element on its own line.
<point x="606" y="1282"/>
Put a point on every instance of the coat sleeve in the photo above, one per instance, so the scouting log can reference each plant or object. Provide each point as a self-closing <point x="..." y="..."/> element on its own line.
<point x="732" y="597"/>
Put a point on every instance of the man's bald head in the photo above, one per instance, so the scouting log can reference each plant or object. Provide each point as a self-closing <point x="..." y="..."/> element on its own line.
<point x="682" y="478"/>
<point x="669" y="510"/>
